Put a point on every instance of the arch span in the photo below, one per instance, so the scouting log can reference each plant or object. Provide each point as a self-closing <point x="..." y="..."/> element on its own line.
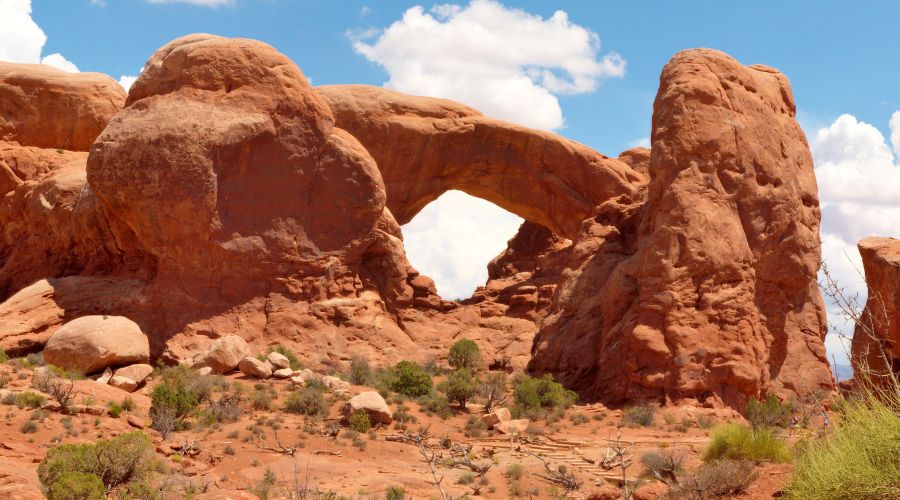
<point x="426" y="146"/>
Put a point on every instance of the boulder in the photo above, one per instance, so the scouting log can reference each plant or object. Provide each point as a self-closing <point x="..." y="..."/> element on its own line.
<point x="223" y="355"/>
<point x="92" y="343"/>
<point x="335" y="384"/>
<point x="374" y="405"/>
<point x="606" y="491"/>
<point x="278" y="360"/>
<point x="495" y="417"/>
<point x="253" y="367"/>
<point x="51" y="108"/>
<point x="138" y="372"/>
<point x="105" y="376"/>
<point x="205" y="370"/>
<point x="303" y="377"/>
<point x="283" y="373"/>
<point x="124" y="383"/>
<point x="513" y="426"/>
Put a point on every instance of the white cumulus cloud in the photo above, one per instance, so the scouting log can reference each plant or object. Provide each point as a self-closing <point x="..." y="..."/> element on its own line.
<point x="22" y="40"/>
<point x="859" y="192"/>
<point x="58" y="61"/>
<point x="453" y="238"/>
<point x="126" y="81"/>
<point x="508" y="63"/>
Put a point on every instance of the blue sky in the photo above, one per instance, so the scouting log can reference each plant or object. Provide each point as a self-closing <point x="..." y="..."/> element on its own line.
<point x="586" y="69"/>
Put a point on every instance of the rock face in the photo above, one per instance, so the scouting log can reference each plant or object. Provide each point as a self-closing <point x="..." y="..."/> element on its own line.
<point x="876" y="342"/>
<point x="50" y="108"/>
<point x="228" y="197"/>
<point x="92" y="343"/>
<point x="707" y="290"/>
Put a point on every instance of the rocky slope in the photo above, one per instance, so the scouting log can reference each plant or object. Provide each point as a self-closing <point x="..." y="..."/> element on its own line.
<point x="229" y="197"/>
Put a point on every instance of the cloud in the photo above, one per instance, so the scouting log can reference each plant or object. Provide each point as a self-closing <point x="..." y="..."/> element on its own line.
<point x="453" y="238"/>
<point x="204" y="3"/>
<point x="21" y="39"/>
<point x="100" y="3"/>
<point x="858" y="177"/>
<point x="506" y="62"/>
<point x="126" y="81"/>
<point x="58" y="61"/>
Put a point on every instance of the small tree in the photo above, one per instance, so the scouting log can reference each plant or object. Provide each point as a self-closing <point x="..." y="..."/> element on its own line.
<point x="460" y="386"/>
<point x="409" y="379"/>
<point x="465" y="353"/>
<point x="493" y="389"/>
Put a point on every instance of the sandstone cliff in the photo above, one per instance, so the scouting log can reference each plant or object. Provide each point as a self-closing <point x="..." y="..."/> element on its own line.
<point x="876" y="342"/>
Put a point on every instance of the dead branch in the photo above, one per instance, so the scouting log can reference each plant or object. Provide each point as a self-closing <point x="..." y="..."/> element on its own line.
<point x="278" y="448"/>
<point x="465" y="461"/>
<point x="560" y="476"/>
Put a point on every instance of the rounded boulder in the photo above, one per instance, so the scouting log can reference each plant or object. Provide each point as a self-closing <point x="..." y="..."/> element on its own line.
<point x="92" y="343"/>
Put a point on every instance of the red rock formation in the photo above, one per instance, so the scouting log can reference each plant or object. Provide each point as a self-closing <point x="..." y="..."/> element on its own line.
<point x="229" y="198"/>
<point x="50" y="108"/>
<point x="718" y="300"/>
<point x="426" y="146"/>
<point x="876" y="342"/>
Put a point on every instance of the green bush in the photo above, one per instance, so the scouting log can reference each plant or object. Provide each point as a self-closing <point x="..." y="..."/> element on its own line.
<point x="640" y="415"/>
<point x="125" y="459"/>
<point x="77" y="486"/>
<point x="770" y="412"/>
<point x="436" y="404"/>
<point x="360" y="373"/>
<point x="261" y="400"/>
<point x="860" y="459"/>
<point x="409" y="379"/>
<point x="534" y="395"/>
<point x="128" y="404"/>
<point x="460" y="386"/>
<point x="737" y="442"/>
<point x="465" y="353"/>
<point x="115" y="409"/>
<point x="359" y="421"/>
<point x="3" y="357"/>
<point x="171" y="403"/>
<point x="29" y="399"/>
<point x="306" y="401"/>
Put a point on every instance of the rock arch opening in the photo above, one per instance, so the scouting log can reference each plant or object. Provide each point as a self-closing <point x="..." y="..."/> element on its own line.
<point x="454" y="238"/>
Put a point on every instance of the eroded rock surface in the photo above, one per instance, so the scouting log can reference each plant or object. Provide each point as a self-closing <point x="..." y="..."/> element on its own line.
<point x="876" y="342"/>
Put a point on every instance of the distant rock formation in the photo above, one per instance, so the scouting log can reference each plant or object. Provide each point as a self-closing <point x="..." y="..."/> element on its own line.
<point x="228" y="197"/>
<point x="876" y="342"/>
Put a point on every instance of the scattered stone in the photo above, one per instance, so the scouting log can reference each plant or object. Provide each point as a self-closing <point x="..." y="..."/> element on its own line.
<point x="335" y="384"/>
<point x="303" y="377"/>
<point x="605" y="492"/>
<point x="253" y="367"/>
<point x="135" y="421"/>
<point x="138" y="372"/>
<point x="104" y="378"/>
<point x="92" y="343"/>
<point x="374" y="405"/>
<point x="283" y="373"/>
<point x="223" y="355"/>
<point x="495" y="417"/>
<point x="278" y="360"/>
<point x="124" y="383"/>
<point x="513" y="426"/>
<point x="204" y="371"/>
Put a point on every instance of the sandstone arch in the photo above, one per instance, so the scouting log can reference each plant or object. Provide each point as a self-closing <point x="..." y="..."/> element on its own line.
<point x="426" y="146"/>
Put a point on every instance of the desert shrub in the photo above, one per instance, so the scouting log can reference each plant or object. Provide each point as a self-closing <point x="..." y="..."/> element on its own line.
<point x="124" y="459"/>
<point x="28" y="427"/>
<point x="395" y="493"/>
<point x="475" y="427"/>
<point x="534" y="395"/>
<point x="229" y="450"/>
<point x="409" y="379"/>
<point x="464" y="353"/>
<point x="493" y="390"/>
<point x="769" y="412"/>
<point x="77" y="486"/>
<point x="706" y="421"/>
<point x="58" y="383"/>
<point x="466" y="478"/>
<point x="579" y="418"/>
<point x="639" y="415"/>
<point x="3" y="356"/>
<point x="265" y="488"/>
<point x="359" y="421"/>
<point x="35" y="359"/>
<point x="289" y="354"/>
<point x="29" y="399"/>
<point x="859" y="459"/>
<point x="226" y="408"/>
<point x="260" y="400"/>
<point x="360" y="372"/>
<point x="436" y="404"/>
<point x="115" y="409"/>
<point x="306" y="401"/>
<point x="719" y="479"/>
<point x="515" y="471"/>
<point x="663" y="464"/>
<point x="460" y="386"/>
<point x="4" y="380"/>
<point x="171" y="403"/>
<point x="128" y="404"/>
<point x="738" y="442"/>
<point x="10" y="399"/>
